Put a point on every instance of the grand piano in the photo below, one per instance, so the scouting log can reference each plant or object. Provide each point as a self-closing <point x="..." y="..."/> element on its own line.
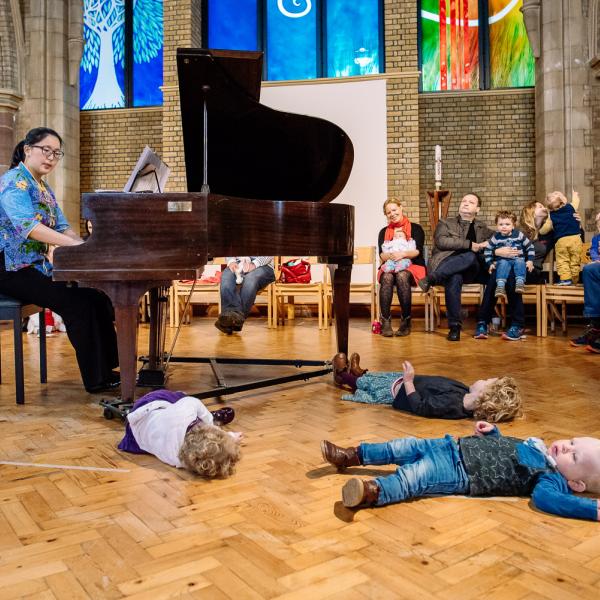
<point x="260" y="182"/>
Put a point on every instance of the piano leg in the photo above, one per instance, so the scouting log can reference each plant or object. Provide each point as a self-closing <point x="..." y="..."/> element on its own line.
<point x="340" y="275"/>
<point x="125" y="297"/>
<point x="126" y="317"/>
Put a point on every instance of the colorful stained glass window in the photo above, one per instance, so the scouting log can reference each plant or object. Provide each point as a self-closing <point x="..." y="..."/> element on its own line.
<point x="449" y="45"/>
<point x="450" y="52"/>
<point x="352" y="37"/>
<point x="233" y="24"/>
<point x="104" y="70"/>
<point x="291" y="51"/>
<point x="303" y="39"/>
<point x="511" y="59"/>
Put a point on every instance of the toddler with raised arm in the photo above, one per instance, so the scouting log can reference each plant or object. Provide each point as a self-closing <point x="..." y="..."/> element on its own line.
<point x="495" y="399"/>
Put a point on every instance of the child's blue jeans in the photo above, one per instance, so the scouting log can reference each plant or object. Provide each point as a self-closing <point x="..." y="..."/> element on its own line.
<point x="425" y="468"/>
<point x="505" y="265"/>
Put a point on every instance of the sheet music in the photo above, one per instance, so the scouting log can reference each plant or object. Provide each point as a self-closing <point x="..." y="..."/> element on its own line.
<point x="150" y="173"/>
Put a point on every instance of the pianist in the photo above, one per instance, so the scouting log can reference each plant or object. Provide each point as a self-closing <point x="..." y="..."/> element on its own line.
<point x="31" y="221"/>
<point x="237" y="300"/>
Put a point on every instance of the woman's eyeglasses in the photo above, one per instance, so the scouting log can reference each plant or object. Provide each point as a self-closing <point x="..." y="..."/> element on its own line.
<point x="49" y="153"/>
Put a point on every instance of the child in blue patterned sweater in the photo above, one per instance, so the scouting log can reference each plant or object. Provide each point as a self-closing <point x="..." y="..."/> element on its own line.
<point x="509" y="237"/>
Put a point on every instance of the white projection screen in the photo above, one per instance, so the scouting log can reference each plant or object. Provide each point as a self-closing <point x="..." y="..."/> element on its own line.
<point x="359" y="108"/>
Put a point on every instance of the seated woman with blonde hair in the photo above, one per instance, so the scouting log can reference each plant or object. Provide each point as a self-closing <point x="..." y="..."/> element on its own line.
<point x="402" y="280"/>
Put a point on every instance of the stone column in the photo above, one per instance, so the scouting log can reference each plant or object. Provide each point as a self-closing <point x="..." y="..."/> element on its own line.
<point x="9" y="104"/>
<point x="11" y="57"/>
<point x="564" y="152"/>
<point x="182" y="29"/>
<point x="50" y="98"/>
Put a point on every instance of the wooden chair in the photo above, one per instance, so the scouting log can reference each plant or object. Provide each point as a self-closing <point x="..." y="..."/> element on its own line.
<point x="285" y="294"/>
<point x="471" y="294"/>
<point x="15" y="311"/>
<point x="203" y="293"/>
<point x="554" y="304"/>
<point x="531" y="295"/>
<point x="556" y="297"/>
<point x="360" y="292"/>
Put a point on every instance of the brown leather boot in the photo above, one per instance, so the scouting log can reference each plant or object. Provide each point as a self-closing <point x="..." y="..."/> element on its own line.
<point x="339" y="457"/>
<point x="360" y="492"/>
<point x="355" y="368"/>
<point x="340" y="364"/>
<point x="404" y="328"/>
<point x="386" y="327"/>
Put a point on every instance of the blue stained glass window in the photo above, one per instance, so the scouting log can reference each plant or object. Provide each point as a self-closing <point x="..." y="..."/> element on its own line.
<point x="102" y="76"/>
<point x="352" y="37"/>
<point x="291" y="40"/>
<point x="233" y="24"/>
<point x="147" y="52"/>
<point x="106" y="71"/>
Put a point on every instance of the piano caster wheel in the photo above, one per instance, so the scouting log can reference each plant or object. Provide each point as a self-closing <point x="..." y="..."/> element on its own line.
<point x="108" y="414"/>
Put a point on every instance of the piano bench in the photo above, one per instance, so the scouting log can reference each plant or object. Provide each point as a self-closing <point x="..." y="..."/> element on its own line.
<point x="14" y="310"/>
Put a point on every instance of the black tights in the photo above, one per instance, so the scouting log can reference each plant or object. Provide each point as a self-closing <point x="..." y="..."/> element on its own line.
<point x="402" y="282"/>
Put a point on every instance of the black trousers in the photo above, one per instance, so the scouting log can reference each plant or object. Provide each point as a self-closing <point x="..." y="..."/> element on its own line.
<point x="87" y="313"/>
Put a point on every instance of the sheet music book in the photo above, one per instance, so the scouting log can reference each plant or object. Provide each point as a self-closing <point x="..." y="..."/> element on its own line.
<point x="150" y="173"/>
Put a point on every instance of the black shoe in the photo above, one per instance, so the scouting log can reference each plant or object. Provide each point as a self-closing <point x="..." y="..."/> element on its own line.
<point x="453" y="334"/>
<point x="404" y="328"/>
<point x="114" y="381"/>
<point x="223" y="416"/>
<point x="425" y="283"/>
<point x="223" y="328"/>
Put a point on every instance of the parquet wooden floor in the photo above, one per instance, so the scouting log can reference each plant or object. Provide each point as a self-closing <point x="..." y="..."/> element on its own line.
<point x="130" y="526"/>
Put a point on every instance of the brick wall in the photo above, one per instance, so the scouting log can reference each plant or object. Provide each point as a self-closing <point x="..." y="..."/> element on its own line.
<point x="8" y="51"/>
<point x="488" y="147"/>
<point x="401" y="58"/>
<point x="111" y="142"/>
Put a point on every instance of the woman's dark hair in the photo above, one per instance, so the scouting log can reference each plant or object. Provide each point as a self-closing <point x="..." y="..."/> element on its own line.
<point x="33" y="137"/>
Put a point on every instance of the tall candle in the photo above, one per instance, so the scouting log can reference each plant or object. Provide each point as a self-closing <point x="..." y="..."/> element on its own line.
<point x="438" y="167"/>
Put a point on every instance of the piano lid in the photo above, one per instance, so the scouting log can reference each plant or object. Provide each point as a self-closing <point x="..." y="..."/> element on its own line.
<point x="254" y="151"/>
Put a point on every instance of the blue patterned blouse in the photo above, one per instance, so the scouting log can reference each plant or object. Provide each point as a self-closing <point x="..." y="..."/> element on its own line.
<point x="23" y="204"/>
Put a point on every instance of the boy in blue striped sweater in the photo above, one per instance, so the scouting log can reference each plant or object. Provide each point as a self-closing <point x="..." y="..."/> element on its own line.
<point x="508" y="236"/>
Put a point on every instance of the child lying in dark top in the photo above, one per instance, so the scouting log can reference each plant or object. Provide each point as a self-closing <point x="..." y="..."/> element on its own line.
<point x="496" y="399"/>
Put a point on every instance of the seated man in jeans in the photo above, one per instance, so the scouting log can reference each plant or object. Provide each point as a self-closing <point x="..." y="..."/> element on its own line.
<point x="457" y="257"/>
<point x="236" y="300"/>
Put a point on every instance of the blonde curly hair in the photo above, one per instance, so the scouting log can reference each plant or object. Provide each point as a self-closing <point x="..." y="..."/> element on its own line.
<point x="499" y="401"/>
<point x="209" y="451"/>
<point x="554" y="200"/>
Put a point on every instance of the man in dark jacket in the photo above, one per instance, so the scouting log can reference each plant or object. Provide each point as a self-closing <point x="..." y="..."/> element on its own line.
<point x="457" y="257"/>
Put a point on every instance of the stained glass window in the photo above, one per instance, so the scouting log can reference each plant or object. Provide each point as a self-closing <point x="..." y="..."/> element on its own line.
<point x="302" y="39"/>
<point x="511" y="59"/>
<point x="291" y="51"/>
<point x="352" y="37"/>
<point x="226" y="32"/>
<point x="473" y="44"/>
<point x="110" y="76"/>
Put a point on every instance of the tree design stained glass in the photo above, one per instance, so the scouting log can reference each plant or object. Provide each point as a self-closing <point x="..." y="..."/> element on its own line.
<point x="104" y="71"/>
